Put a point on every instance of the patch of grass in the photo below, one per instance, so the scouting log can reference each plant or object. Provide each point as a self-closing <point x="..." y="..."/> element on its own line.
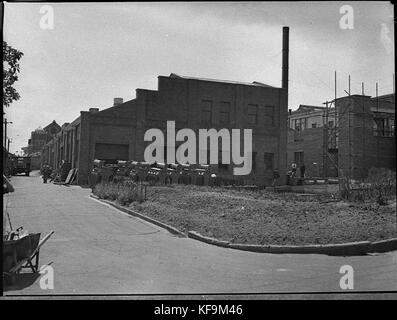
<point x="123" y="193"/>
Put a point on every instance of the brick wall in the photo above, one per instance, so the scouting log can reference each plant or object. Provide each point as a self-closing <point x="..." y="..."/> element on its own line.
<point x="181" y="100"/>
<point x="359" y="149"/>
<point x="310" y="142"/>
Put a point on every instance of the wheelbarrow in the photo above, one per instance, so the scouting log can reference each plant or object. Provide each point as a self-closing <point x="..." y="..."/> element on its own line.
<point x="20" y="253"/>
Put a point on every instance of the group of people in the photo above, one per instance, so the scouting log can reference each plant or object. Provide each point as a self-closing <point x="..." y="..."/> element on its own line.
<point x="46" y="172"/>
<point x="291" y="174"/>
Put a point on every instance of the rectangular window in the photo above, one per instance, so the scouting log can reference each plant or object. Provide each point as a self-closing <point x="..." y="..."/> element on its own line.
<point x="206" y="112"/>
<point x="314" y="125"/>
<point x="269" y="115"/>
<point x="384" y="127"/>
<point x="224" y="116"/>
<point x="253" y="114"/>
<point x="300" y="124"/>
<point x="269" y="161"/>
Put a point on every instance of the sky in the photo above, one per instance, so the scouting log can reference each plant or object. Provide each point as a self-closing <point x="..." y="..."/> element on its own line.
<point x="98" y="51"/>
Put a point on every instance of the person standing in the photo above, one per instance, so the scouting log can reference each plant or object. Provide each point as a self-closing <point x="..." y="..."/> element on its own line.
<point x="293" y="170"/>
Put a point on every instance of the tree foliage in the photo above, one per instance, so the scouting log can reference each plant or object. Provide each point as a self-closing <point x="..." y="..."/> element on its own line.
<point x="11" y="59"/>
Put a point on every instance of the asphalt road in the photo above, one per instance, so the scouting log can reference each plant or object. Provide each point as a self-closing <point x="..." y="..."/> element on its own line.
<point x="97" y="249"/>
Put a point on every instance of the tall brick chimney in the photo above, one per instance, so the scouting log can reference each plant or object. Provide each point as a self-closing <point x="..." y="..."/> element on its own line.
<point x="284" y="78"/>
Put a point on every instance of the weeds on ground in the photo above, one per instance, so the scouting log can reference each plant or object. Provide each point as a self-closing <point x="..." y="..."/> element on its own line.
<point x="379" y="187"/>
<point x="124" y="193"/>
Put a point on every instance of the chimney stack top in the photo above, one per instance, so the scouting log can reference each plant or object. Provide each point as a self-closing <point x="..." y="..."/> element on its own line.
<point x="117" y="101"/>
<point x="94" y="110"/>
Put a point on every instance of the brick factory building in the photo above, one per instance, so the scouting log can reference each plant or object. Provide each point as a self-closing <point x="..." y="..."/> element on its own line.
<point x="361" y="136"/>
<point x="117" y="133"/>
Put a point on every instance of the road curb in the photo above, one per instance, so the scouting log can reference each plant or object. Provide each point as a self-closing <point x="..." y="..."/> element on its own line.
<point x="195" y="235"/>
<point x="143" y="217"/>
<point x="344" y="249"/>
<point x="384" y="245"/>
<point x="339" y="249"/>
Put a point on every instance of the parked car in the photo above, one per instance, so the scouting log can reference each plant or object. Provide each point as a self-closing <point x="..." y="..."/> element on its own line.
<point x="21" y="165"/>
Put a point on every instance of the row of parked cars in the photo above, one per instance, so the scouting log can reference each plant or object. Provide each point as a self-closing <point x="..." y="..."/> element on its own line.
<point x="155" y="173"/>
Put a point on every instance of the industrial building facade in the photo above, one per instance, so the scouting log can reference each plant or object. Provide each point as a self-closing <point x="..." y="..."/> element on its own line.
<point x="117" y="133"/>
<point x="361" y="135"/>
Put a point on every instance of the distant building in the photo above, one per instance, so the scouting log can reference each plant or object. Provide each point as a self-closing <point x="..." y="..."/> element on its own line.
<point x="39" y="137"/>
<point x="52" y="129"/>
<point x="37" y="141"/>
<point x="359" y="136"/>
<point x="117" y="133"/>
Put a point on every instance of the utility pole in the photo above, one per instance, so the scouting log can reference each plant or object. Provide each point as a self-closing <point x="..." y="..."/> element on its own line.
<point x="325" y="160"/>
<point x="5" y="132"/>
<point x="335" y="117"/>
<point x="377" y="100"/>
<point x="377" y="140"/>
<point x="8" y="145"/>
<point x="394" y="90"/>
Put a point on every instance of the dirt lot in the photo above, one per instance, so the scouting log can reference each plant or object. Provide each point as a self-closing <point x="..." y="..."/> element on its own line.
<point x="267" y="218"/>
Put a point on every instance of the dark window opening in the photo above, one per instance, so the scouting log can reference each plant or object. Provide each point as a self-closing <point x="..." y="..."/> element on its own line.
<point x="384" y="127"/>
<point x="269" y="115"/>
<point x="269" y="161"/>
<point x="206" y="112"/>
<point x="224" y="116"/>
<point x="252" y="114"/>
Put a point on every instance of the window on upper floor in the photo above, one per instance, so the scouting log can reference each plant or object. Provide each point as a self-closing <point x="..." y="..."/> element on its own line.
<point x="253" y="114"/>
<point x="384" y="127"/>
<point x="224" y="113"/>
<point x="300" y="124"/>
<point x="206" y="112"/>
<point x="269" y="115"/>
